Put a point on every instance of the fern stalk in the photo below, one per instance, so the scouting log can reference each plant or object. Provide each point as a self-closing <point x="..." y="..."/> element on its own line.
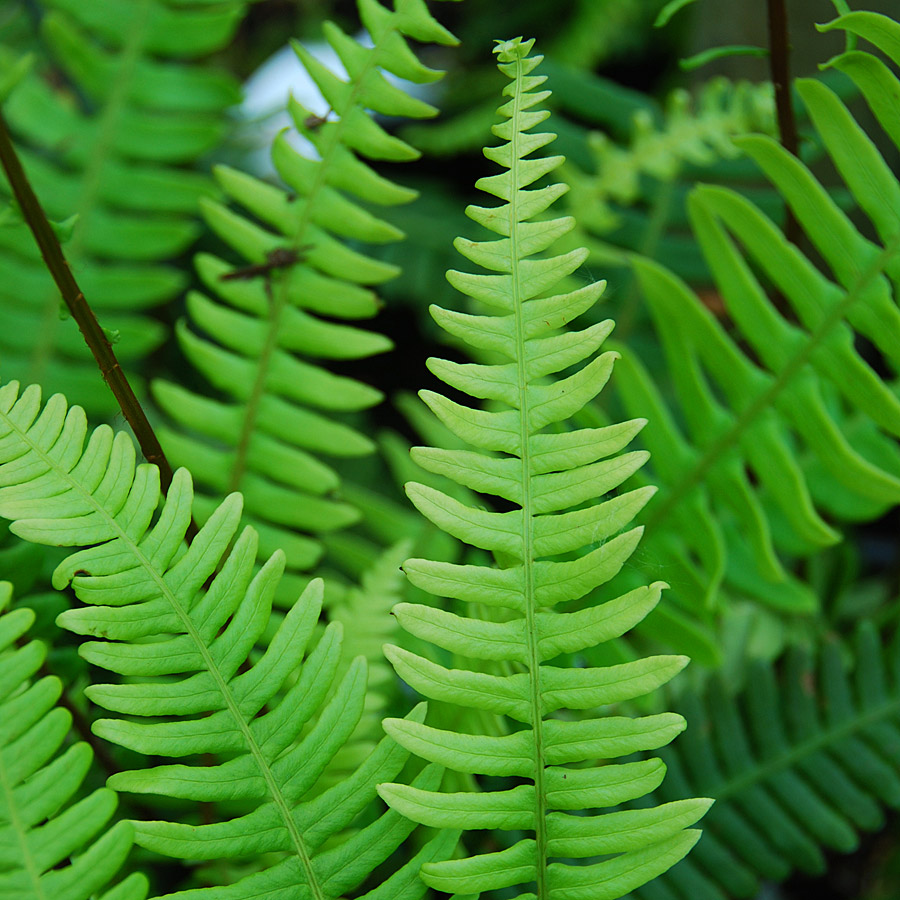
<point x="779" y="64"/>
<point x="518" y="71"/>
<point x="94" y="335"/>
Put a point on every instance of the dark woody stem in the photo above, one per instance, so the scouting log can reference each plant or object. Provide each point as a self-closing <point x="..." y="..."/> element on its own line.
<point x="82" y="313"/>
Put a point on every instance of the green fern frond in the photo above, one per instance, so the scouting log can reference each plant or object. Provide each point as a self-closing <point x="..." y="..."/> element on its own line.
<point x="780" y="427"/>
<point x="799" y="763"/>
<point x="49" y="846"/>
<point x="261" y="340"/>
<point x="112" y="143"/>
<point x="542" y="473"/>
<point x="693" y="132"/>
<point x="181" y="645"/>
<point x="364" y="613"/>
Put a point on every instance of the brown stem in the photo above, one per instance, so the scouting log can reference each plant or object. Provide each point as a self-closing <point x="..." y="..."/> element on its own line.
<point x="779" y="62"/>
<point x="81" y="312"/>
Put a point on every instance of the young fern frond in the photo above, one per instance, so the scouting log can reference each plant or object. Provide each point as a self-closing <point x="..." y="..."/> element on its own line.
<point x="114" y="147"/>
<point x="782" y="427"/>
<point x="49" y="846"/>
<point x="364" y="613"/>
<point x="261" y="339"/>
<point x="692" y="132"/>
<point x="543" y="473"/>
<point x="185" y="642"/>
<point x="799" y="762"/>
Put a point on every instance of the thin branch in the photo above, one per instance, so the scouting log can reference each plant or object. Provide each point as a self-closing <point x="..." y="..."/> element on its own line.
<point x="81" y="312"/>
<point x="779" y="62"/>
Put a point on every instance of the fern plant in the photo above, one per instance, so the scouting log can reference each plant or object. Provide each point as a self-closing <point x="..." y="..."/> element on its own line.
<point x="799" y="762"/>
<point x="113" y="144"/>
<point x="772" y="421"/>
<point x="40" y="826"/>
<point x="778" y="426"/>
<point x="181" y="646"/>
<point x="542" y="473"/>
<point x="260" y="342"/>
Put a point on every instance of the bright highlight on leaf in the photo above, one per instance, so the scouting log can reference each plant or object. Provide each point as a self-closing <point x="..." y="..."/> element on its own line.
<point x="559" y="543"/>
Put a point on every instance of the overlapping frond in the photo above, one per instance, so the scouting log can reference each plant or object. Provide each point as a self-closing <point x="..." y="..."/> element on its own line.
<point x="799" y="762"/>
<point x="538" y="618"/>
<point x="108" y="124"/>
<point x="779" y="423"/>
<point x="49" y="845"/>
<point x="260" y="335"/>
<point x="178" y="622"/>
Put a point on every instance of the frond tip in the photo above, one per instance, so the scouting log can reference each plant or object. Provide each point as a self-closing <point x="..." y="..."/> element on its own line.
<point x="558" y="545"/>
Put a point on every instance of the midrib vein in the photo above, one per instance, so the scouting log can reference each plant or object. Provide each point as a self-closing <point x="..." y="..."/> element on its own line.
<point x="534" y="662"/>
<point x="221" y="683"/>
<point x="107" y="128"/>
<point x="767" y="398"/>
<point x="280" y="294"/>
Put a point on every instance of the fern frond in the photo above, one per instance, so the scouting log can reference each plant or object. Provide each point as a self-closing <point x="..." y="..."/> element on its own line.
<point x="781" y="427"/>
<point x="116" y="151"/>
<point x="261" y="340"/>
<point x="364" y="613"/>
<point x="184" y="644"/>
<point x="49" y="846"/>
<point x="799" y="763"/>
<point x="551" y="479"/>
<point x="694" y="131"/>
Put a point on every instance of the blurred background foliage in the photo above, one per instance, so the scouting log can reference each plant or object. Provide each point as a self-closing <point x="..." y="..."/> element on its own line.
<point x="637" y="131"/>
